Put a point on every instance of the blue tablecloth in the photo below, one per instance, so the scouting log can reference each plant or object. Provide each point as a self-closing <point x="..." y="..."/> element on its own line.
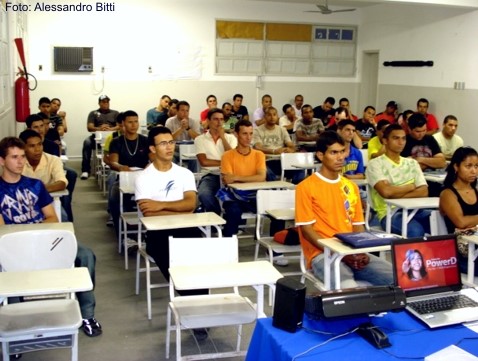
<point x="409" y="338"/>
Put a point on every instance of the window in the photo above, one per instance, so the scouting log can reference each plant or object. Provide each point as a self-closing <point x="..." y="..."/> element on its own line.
<point x="285" y="49"/>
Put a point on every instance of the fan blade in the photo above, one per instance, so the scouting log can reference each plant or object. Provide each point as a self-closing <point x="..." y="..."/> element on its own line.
<point x="341" y="11"/>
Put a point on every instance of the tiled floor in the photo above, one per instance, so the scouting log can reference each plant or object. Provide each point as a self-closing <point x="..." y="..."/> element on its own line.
<point x="128" y="334"/>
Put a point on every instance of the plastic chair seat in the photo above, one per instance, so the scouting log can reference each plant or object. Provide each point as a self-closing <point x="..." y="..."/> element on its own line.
<point x="213" y="310"/>
<point x="38" y="317"/>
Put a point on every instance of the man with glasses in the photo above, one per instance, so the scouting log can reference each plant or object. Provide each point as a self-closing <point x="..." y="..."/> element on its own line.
<point x="209" y="150"/>
<point x="165" y="188"/>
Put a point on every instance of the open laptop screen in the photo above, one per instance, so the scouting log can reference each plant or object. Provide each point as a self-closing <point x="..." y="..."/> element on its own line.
<point x="427" y="265"/>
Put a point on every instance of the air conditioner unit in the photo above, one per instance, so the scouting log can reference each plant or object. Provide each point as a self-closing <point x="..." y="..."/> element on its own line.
<point x="72" y="59"/>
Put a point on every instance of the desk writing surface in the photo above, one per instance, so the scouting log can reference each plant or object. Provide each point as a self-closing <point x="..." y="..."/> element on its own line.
<point x="262" y="185"/>
<point x="10" y="228"/>
<point x="224" y="275"/>
<point x="335" y="245"/>
<point x="186" y="220"/>
<point x="44" y="282"/>
<point x="409" y="339"/>
<point x="282" y="214"/>
<point x="414" y="203"/>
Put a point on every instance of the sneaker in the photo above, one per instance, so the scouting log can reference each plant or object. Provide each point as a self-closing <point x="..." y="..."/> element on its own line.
<point x="92" y="327"/>
<point x="84" y="175"/>
<point x="200" y="334"/>
<point x="281" y="261"/>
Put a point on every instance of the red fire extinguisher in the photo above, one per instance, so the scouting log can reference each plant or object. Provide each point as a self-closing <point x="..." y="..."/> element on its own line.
<point x="22" y="90"/>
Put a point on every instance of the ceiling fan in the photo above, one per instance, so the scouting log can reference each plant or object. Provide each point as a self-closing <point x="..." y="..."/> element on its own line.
<point x="325" y="10"/>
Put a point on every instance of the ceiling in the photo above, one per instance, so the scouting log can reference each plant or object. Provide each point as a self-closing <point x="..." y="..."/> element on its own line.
<point x="470" y="4"/>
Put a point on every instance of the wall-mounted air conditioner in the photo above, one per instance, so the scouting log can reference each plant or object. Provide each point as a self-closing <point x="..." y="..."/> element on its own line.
<point x="72" y="59"/>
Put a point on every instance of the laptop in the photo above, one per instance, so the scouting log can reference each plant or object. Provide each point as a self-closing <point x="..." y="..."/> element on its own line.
<point x="427" y="270"/>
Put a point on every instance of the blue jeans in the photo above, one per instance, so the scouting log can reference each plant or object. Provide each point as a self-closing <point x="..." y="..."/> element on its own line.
<point x="232" y="214"/>
<point x="417" y="227"/>
<point x="86" y="258"/>
<point x="207" y="189"/>
<point x="378" y="272"/>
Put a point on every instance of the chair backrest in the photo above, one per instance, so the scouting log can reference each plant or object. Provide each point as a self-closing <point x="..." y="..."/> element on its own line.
<point x="127" y="179"/>
<point x="364" y="156"/>
<point x="300" y="158"/>
<point x="37" y="250"/>
<point x="437" y="224"/>
<point x="203" y="251"/>
<point x="272" y="199"/>
<point x="101" y="135"/>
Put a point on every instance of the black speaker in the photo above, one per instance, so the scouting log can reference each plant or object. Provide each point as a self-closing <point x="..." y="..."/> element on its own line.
<point x="289" y="304"/>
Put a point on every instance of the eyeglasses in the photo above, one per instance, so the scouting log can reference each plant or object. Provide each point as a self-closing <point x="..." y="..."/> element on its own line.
<point x="164" y="143"/>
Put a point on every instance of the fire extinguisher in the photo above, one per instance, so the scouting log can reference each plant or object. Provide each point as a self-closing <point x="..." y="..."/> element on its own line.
<point x="22" y="89"/>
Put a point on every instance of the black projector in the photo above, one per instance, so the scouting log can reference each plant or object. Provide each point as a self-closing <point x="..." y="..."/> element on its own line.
<point x="354" y="301"/>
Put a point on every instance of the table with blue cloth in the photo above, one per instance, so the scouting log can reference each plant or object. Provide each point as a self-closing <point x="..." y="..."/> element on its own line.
<point x="410" y="340"/>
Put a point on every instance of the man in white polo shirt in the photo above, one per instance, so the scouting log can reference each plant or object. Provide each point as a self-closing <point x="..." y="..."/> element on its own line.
<point x="209" y="150"/>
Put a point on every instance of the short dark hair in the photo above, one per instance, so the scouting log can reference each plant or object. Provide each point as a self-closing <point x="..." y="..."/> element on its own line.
<point x="242" y="123"/>
<point x="226" y="103"/>
<point x="341" y="110"/>
<point x="416" y="120"/>
<point x="306" y="106"/>
<point x="33" y="118"/>
<point x="266" y="96"/>
<point x="423" y="100"/>
<point x="344" y="122"/>
<point x="382" y="123"/>
<point x="174" y="101"/>
<point x="183" y="102"/>
<point x="344" y="100"/>
<point x="368" y="107"/>
<point x="285" y="107"/>
<point x="211" y="96"/>
<point x="119" y="118"/>
<point x="237" y="96"/>
<point x="391" y="128"/>
<point x="57" y="99"/>
<point x="27" y="134"/>
<point x="330" y="100"/>
<point x="44" y="100"/>
<point x="213" y="111"/>
<point x="155" y="131"/>
<point x="128" y="113"/>
<point x="299" y="95"/>
<point x="10" y="142"/>
<point x="43" y="116"/>
<point x="449" y="117"/>
<point x="166" y="96"/>
<point x="328" y="138"/>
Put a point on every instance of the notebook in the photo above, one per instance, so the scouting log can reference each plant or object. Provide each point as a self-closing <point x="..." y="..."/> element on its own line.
<point x="427" y="270"/>
<point x="366" y="238"/>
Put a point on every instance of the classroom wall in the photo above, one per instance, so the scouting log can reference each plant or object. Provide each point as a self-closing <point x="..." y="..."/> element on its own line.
<point x="142" y="33"/>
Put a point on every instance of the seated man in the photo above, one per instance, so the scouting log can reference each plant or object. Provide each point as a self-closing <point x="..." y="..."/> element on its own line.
<point x="447" y="139"/>
<point x="308" y="128"/>
<point x="209" y="149"/>
<point x="353" y="164"/>
<point x="43" y="166"/>
<point x="290" y="118"/>
<point x="241" y="165"/>
<point x="393" y="176"/>
<point x="270" y="138"/>
<point x="424" y="149"/>
<point x="127" y="152"/>
<point x="366" y="125"/>
<point x="326" y="204"/>
<point x="166" y="188"/>
<point x="258" y="117"/>
<point x="25" y="200"/>
<point x="375" y="147"/>
<point x="158" y="115"/>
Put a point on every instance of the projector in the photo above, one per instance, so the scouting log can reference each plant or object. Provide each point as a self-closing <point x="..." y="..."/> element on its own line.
<point x="354" y="301"/>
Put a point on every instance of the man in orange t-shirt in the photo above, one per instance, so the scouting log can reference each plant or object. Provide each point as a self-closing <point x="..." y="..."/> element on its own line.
<point x="328" y="203"/>
<point x="241" y="165"/>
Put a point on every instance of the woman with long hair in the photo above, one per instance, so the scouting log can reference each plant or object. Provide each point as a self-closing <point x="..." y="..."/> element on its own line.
<point x="459" y="199"/>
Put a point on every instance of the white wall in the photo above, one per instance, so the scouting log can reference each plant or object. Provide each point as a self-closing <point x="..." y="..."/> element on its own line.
<point x="144" y="33"/>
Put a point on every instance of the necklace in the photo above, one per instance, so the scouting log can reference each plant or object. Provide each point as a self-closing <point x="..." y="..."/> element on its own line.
<point x="127" y="148"/>
<point x="244" y="154"/>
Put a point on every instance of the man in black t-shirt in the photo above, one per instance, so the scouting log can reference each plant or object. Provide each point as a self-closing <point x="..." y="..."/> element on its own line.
<point x="127" y="152"/>
<point x="325" y="111"/>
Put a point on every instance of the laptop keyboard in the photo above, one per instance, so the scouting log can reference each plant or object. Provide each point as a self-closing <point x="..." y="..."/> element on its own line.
<point x="442" y="304"/>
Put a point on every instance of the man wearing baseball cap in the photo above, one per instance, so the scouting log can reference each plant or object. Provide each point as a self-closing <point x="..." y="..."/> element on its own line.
<point x="389" y="113"/>
<point x="101" y="119"/>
